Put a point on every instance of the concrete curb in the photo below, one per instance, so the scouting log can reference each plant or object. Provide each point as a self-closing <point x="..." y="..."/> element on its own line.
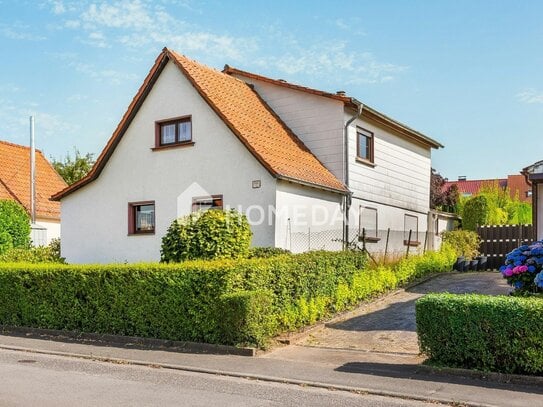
<point x="132" y="342"/>
<point x="266" y="378"/>
<point x="487" y="376"/>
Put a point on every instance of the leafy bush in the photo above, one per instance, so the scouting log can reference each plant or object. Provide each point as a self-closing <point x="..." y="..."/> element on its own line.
<point x="15" y="221"/>
<point x="523" y="269"/>
<point x="225" y="301"/>
<point x="475" y="212"/>
<point x="490" y="333"/>
<point x="265" y="252"/>
<point x="464" y="242"/>
<point x="40" y="254"/>
<point x="6" y="242"/>
<point x="207" y="235"/>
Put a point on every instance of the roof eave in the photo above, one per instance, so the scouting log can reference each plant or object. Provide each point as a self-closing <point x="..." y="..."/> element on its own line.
<point x="344" y="191"/>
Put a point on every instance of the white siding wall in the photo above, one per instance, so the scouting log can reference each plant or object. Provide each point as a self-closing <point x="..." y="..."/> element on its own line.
<point x="94" y="218"/>
<point x="307" y="218"/>
<point x="401" y="176"/>
<point x="316" y="120"/>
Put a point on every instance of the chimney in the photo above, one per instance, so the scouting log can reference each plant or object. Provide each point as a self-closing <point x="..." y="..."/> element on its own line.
<point x="340" y="93"/>
<point x="462" y="178"/>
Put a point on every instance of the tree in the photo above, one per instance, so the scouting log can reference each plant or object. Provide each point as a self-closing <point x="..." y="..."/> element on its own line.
<point x="14" y="225"/>
<point x="444" y="199"/>
<point x="72" y="170"/>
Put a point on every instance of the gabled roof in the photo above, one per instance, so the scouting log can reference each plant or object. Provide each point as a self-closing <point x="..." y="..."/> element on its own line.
<point x="15" y="179"/>
<point x="349" y="102"/>
<point x="256" y="125"/>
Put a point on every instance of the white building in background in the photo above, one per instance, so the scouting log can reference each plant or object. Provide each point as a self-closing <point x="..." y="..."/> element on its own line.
<point x="308" y="168"/>
<point x="15" y="185"/>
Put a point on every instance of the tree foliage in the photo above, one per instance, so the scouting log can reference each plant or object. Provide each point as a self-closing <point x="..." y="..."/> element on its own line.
<point x="440" y="198"/>
<point x="498" y="208"/>
<point x="73" y="169"/>
<point x="14" y="225"/>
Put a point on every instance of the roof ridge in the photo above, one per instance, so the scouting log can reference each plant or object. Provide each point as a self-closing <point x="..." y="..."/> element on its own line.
<point x="9" y="143"/>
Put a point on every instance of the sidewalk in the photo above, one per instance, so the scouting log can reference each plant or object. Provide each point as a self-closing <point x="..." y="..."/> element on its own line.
<point x="353" y="370"/>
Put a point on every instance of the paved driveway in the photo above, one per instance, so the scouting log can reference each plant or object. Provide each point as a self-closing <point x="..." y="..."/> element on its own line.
<point x="387" y="325"/>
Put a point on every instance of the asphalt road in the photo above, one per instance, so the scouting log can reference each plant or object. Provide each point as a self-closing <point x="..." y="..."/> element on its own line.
<point x="29" y="379"/>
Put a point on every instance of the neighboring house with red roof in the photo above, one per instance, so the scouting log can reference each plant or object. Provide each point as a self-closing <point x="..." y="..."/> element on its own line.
<point x="516" y="184"/>
<point x="15" y="185"/>
<point x="197" y="138"/>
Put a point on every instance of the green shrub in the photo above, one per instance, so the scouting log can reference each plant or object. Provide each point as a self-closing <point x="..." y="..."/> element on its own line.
<point x="265" y="252"/>
<point x="6" y="242"/>
<point x="464" y="242"/>
<point x="490" y="333"/>
<point x="213" y="234"/>
<point x="15" y="221"/>
<point x="40" y="254"/>
<point x="475" y="212"/>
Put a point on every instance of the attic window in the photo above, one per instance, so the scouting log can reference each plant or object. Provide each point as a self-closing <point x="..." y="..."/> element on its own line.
<point x="173" y="132"/>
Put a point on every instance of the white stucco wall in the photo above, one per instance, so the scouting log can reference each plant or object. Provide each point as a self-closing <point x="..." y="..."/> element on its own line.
<point x="316" y="120"/>
<point x="307" y="218"/>
<point x="388" y="217"/>
<point x="52" y="228"/>
<point x="401" y="175"/>
<point x="95" y="218"/>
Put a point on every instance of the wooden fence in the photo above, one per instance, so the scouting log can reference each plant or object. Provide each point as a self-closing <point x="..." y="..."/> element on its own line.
<point x="498" y="240"/>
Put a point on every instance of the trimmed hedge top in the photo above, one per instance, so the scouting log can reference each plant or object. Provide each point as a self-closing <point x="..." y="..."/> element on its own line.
<point x="490" y="333"/>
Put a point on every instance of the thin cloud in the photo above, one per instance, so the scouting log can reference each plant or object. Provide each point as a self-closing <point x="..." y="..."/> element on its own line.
<point x="530" y="96"/>
<point x="334" y="59"/>
<point x="19" y="31"/>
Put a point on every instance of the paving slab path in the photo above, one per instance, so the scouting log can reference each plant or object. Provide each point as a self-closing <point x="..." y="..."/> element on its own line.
<point x="387" y="325"/>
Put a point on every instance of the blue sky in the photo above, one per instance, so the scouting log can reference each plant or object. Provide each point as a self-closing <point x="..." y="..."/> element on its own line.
<point x="467" y="73"/>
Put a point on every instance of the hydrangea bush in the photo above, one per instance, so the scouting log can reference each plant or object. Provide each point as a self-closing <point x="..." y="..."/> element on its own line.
<point x="523" y="268"/>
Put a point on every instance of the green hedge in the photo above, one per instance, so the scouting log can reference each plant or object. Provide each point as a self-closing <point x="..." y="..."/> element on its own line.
<point x="221" y="301"/>
<point x="490" y="333"/>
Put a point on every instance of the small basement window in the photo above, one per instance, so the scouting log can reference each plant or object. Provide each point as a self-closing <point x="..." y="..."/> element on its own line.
<point x="173" y="132"/>
<point x="204" y="203"/>
<point x="368" y="224"/>
<point x="141" y="218"/>
<point x="411" y="227"/>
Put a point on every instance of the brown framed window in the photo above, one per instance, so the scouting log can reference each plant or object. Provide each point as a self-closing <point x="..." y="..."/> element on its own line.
<point x="141" y="217"/>
<point x="204" y="203"/>
<point x="364" y="145"/>
<point x="173" y="132"/>
<point x="411" y="230"/>
<point x="368" y="224"/>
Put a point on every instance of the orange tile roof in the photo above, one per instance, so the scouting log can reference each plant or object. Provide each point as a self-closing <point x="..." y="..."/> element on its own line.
<point x="255" y="124"/>
<point x="15" y="179"/>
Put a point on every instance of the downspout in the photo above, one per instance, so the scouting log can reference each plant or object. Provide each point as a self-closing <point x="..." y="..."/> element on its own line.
<point x="348" y="197"/>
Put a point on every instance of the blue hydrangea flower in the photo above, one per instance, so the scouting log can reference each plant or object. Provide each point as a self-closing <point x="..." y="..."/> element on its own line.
<point x="538" y="280"/>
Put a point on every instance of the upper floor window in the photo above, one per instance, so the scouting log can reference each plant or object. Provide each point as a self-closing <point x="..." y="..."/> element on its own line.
<point x="173" y="132"/>
<point x="364" y="145"/>
<point x="204" y="203"/>
<point x="141" y="217"/>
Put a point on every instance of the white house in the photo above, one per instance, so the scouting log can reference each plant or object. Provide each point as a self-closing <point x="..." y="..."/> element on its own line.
<point x="309" y="168"/>
<point x="15" y="186"/>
